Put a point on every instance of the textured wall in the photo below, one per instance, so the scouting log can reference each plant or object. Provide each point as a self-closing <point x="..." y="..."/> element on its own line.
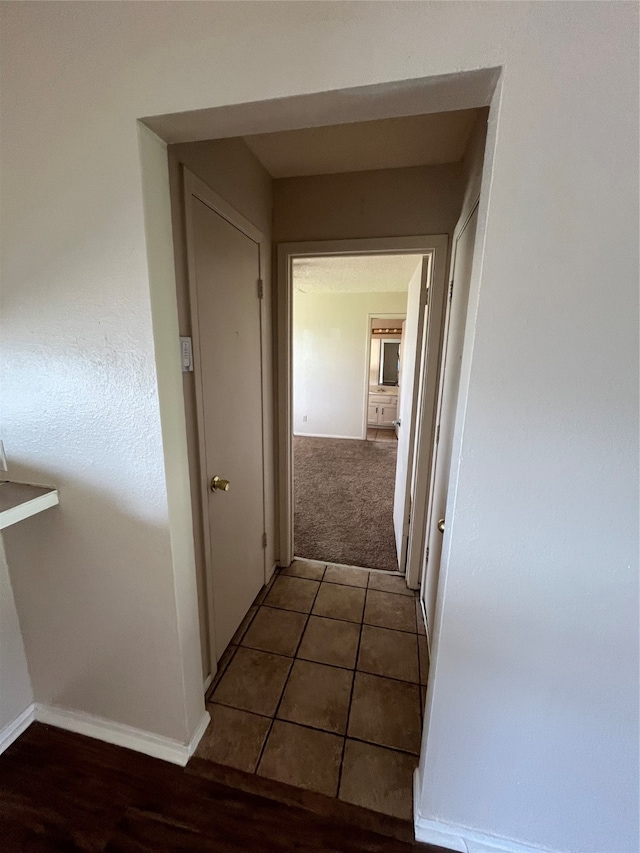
<point x="15" y="685"/>
<point x="384" y="203"/>
<point x="533" y="724"/>
<point x="229" y="168"/>
<point x="330" y="371"/>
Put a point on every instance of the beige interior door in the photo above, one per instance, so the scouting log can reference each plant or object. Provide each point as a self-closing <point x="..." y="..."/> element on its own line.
<point x="412" y="338"/>
<point x="455" y="318"/>
<point x="224" y="271"/>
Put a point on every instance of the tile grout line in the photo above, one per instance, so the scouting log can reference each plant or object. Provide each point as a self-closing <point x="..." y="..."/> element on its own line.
<point x="337" y="665"/>
<point x="409" y="594"/>
<point x="384" y="746"/>
<point x="293" y="660"/>
<point x="395" y="573"/>
<point x="322" y="731"/>
<point x="353" y="684"/>
<point x="308" y="616"/>
<point x="270" y="719"/>
<point x="218" y="677"/>
<point x="337" y="619"/>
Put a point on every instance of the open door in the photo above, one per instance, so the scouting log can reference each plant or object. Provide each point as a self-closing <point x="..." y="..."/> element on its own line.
<point x="456" y="311"/>
<point x="411" y="352"/>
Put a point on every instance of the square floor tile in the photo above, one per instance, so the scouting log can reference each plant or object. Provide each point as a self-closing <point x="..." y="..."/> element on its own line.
<point x="389" y="583"/>
<point x="423" y="653"/>
<point x="223" y="663"/>
<point x="347" y="576"/>
<point x="330" y="641"/>
<point x="317" y="695"/>
<point x="260" y="597"/>
<point x="340" y="602"/>
<point x="277" y="631"/>
<point x="302" y="757"/>
<point x="385" y="712"/>
<point x="387" y="610"/>
<point x="239" y="634"/>
<point x="377" y="778"/>
<point x="292" y="594"/>
<point x="253" y="682"/>
<point x="304" y="569"/>
<point x="234" y="738"/>
<point x="393" y="654"/>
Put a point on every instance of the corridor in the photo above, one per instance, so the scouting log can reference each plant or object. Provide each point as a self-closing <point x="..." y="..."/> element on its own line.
<point x="323" y="687"/>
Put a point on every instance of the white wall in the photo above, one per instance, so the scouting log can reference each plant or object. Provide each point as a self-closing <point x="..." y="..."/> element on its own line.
<point x="16" y="694"/>
<point x="533" y="724"/>
<point x="330" y="368"/>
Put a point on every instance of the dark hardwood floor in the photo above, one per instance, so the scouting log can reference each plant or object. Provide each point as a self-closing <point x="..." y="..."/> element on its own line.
<point x="64" y="792"/>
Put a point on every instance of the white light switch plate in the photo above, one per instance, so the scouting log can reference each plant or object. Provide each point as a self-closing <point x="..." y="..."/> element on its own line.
<point x="186" y="352"/>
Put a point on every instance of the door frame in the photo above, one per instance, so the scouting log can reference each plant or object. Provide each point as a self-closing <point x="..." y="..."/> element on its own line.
<point x="193" y="186"/>
<point x="433" y="245"/>
<point x="383" y="315"/>
<point x="430" y="518"/>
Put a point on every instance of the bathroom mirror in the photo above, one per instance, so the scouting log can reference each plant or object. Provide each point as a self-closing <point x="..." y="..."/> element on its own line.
<point x="389" y="362"/>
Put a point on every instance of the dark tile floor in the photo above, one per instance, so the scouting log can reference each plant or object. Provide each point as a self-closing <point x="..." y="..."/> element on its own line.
<point x="323" y="687"/>
<point x="61" y="791"/>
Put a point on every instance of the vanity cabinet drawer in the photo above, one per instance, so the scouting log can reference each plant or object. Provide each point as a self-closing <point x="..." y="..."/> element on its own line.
<point x="383" y="399"/>
<point x="382" y="413"/>
<point x="387" y="415"/>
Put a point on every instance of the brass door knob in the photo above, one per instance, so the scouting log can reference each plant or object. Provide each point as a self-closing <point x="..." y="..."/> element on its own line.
<point x="441" y="525"/>
<point x="219" y="483"/>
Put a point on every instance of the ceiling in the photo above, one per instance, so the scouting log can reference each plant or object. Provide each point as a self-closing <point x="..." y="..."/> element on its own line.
<point x="419" y="140"/>
<point x="354" y="273"/>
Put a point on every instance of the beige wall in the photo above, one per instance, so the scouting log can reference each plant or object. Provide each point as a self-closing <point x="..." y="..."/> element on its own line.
<point x="330" y="344"/>
<point x="472" y="164"/>
<point x="15" y="685"/>
<point x="382" y="203"/>
<point x="391" y="202"/>
<point x="532" y="724"/>
<point x="229" y="168"/>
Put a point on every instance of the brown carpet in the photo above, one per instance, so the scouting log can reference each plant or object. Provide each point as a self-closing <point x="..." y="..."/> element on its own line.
<point x="343" y="509"/>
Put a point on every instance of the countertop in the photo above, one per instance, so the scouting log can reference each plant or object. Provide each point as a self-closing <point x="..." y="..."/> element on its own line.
<point x="21" y="500"/>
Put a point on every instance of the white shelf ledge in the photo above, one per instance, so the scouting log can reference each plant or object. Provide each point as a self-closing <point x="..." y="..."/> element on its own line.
<point x="22" y="500"/>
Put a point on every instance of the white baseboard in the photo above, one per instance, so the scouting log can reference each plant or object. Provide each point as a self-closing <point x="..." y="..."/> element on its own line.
<point x="460" y="838"/>
<point x="326" y="435"/>
<point x="195" y="740"/>
<point x="207" y="683"/>
<point x="464" y="840"/>
<point x="423" y="611"/>
<point x="14" y="729"/>
<point x="120" y="735"/>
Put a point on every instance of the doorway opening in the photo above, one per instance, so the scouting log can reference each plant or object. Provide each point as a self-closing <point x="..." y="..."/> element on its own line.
<point x="322" y="668"/>
<point x="353" y="498"/>
<point x="348" y="317"/>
